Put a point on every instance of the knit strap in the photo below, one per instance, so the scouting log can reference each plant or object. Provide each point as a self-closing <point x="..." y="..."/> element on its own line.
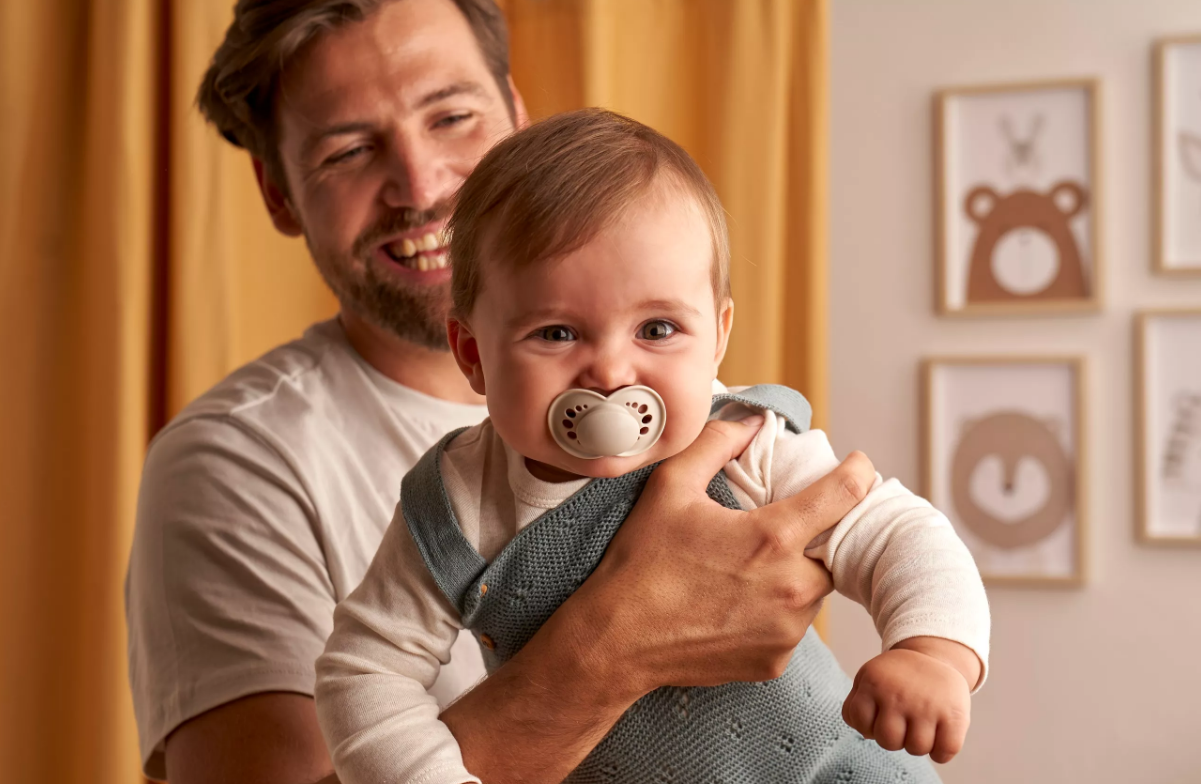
<point x="451" y="559"/>
<point x="783" y="401"/>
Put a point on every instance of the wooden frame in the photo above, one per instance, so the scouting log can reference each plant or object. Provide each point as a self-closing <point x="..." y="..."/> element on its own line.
<point x="1093" y="302"/>
<point x="1159" y="261"/>
<point x="1142" y="467"/>
<point x="1079" y="372"/>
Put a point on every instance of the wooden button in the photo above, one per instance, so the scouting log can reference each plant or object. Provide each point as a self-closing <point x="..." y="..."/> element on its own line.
<point x="484" y="589"/>
<point x="487" y="642"/>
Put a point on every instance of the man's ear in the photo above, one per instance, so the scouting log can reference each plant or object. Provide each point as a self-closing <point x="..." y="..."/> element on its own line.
<point x="466" y="352"/>
<point x="521" y="117"/>
<point x="725" y="323"/>
<point x="286" y="221"/>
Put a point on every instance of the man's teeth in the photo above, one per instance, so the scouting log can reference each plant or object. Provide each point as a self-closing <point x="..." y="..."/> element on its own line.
<point x="427" y="261"/>
<point x="407" y="249"/>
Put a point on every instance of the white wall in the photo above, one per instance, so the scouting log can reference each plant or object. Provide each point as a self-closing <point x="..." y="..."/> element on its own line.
<point x="1097" y="685"/>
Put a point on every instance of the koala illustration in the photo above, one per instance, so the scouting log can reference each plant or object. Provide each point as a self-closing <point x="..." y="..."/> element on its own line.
<point x="1025" y="249"/>
<point x="1012" y="484"/>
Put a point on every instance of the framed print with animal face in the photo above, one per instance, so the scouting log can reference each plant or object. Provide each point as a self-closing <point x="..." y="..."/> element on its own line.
<point x="1018" y="193"/>
<point x="1168" y="431"/>
<point x="1004" y="460"/>
<point x="1177" y="154"/>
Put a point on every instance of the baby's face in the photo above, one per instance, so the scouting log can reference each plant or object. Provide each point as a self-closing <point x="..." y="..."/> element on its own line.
<point x="634" y="306"/>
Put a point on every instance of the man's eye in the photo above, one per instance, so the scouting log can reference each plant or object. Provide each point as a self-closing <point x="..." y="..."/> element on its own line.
<point x="657" y="330"/>
<point x="341" y="157"/>
<point x="453" y="119"/>
<point x="556" y="334"/>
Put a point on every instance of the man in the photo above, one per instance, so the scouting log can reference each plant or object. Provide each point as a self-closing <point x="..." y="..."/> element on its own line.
<point x="263" y="502"/>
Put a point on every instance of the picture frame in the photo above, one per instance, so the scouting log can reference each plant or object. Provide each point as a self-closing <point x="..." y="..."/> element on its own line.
<point x="1018" y="199"/>
<point x="1005" y="458"/>
<point x="1167" y="420"/>
<point x="1176" y="156"/>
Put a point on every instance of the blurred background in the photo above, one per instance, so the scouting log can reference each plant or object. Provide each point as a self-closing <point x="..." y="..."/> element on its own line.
<point x="138" y="267"/>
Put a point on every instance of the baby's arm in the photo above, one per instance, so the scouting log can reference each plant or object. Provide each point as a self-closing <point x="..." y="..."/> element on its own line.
<point x="390" y="637"/>
<point x="898" y="557"/>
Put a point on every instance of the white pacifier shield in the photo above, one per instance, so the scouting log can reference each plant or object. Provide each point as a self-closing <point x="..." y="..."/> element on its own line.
<point x="589" y="425"/>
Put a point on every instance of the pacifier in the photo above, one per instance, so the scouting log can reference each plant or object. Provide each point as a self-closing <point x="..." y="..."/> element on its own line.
<point x="589" y="425"/>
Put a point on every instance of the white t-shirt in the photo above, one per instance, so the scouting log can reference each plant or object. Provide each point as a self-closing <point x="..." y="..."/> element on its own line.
<point x="893" y="553"/>
<point x="261" y="506"/>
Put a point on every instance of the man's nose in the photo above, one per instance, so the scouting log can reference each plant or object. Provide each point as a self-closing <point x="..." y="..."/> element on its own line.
<point x="417" y="177"/>
<point x="607" y="371"/>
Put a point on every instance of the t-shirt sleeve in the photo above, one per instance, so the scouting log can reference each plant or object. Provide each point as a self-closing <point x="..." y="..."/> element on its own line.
<point x="894" y="553"/>
<point x="228" y="593"/>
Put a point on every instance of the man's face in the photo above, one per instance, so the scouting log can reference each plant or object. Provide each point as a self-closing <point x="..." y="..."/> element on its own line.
<point x="379" y="123"/>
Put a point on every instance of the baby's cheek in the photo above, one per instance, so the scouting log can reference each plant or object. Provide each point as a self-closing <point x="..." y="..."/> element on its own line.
<point x="685" y="421"/>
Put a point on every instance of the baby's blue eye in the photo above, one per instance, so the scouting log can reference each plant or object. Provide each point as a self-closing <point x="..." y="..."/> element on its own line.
<point x="657" y="330"/>
<point x="556" y="334"/>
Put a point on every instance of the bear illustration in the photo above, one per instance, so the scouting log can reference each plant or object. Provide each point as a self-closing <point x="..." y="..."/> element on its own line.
<point x="1024" y="248"/>
<point x="1031" y="489"/>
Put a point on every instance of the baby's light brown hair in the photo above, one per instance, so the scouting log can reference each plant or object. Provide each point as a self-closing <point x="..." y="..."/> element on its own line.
<point x="549" y="189"/>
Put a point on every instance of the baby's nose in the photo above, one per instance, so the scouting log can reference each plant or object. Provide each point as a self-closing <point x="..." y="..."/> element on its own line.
<point x="606" y="374"/>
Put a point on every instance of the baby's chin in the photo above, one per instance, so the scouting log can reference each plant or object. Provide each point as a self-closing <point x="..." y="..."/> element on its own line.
<point x="599" y="468"/>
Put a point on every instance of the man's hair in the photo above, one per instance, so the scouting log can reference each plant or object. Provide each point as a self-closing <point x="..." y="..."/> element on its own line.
<point x="238" y="91"/>
<point x="549" y="189"/>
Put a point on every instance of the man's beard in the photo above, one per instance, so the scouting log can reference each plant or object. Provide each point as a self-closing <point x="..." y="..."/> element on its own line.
<point x="415" y="313"/>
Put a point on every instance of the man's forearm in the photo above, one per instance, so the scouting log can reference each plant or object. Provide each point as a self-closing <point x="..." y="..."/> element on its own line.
<point x="537" y="717"/>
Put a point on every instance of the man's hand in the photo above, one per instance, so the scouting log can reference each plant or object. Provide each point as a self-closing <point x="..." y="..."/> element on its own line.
<point x="692" y="594"/>
<point x="915" y="697"/>
<point x="688" y="594"/>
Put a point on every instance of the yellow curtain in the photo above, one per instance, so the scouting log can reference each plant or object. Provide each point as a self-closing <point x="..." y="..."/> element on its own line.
<point x="137" y="267"/>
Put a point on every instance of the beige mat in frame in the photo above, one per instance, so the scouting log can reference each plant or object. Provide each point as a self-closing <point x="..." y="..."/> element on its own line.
<point x="1172" y="436"/>
<point x="948" y="197"/>
<point x="1008" y="464"/>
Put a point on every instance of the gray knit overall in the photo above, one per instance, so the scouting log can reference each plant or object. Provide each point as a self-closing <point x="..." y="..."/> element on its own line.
<point x="788" y="730"/>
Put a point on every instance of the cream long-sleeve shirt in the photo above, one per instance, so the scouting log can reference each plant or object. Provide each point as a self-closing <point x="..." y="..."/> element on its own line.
<point x="894" y="554"/>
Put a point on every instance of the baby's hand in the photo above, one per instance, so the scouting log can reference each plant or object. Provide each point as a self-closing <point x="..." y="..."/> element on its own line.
<point x="911" y="700"/>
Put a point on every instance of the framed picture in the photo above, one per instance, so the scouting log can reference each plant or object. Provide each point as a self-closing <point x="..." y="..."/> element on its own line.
<point x="1018" y="195"/>
<point x="1005" y="461"/>
<point x="1168" y="430"/>
<point x="1177" y="157"/>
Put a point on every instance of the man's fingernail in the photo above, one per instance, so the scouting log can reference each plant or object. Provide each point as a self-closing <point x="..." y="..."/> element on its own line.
<point x="753" y="421"/>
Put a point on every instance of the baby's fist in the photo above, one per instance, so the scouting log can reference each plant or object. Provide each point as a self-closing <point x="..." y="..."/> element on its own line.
<point x="910" y="700"/>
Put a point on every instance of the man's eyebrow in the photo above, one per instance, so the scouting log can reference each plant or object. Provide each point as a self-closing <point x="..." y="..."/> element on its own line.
<point x="450" y="91"/>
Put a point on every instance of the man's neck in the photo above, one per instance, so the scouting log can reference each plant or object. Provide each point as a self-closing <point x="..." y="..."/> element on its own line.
<point x="433" y="373"/>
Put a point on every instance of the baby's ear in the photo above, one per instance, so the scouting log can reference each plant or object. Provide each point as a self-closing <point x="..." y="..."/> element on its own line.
<point x="725" y="323"/>
<point x="466" y="352"/>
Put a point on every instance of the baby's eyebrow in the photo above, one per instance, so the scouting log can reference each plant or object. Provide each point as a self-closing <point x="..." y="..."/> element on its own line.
<point x="673" y="305"/>
<point x="528" y="317"/>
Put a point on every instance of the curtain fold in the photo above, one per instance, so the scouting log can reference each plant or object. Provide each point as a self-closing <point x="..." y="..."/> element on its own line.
<point x="75" y="247"/>
<point x="138" y="267"/>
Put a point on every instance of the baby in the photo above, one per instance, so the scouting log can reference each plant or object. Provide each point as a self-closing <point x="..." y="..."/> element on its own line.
<point x="592" y="307"/>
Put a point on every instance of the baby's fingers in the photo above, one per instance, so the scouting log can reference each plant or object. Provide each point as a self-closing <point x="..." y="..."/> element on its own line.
<point x="859" y="710"/>
<point x="919" y="736"/>
<point x="889" y="730"/>
<point x="949" y="740"/>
